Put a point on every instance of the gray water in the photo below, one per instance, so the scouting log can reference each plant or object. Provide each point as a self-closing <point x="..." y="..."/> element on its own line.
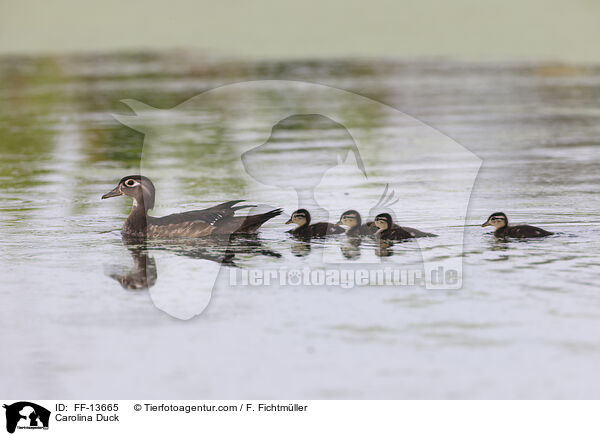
<point x="77" y="321"/>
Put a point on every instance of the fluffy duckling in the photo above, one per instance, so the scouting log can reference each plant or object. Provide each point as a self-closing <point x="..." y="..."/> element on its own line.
<point x="387" y="229"/>
<point x="353" y="221"/>
<point x="503" y="230"/>
<point x="305" y="229"/>
<point x="414" y="233"/>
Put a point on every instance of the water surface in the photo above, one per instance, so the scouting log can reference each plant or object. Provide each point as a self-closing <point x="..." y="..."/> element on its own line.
<point x="526" y="323"/>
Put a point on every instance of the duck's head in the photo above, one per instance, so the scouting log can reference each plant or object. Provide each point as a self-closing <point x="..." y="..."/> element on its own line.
<point x="350" y="219"/>
<point x="139" y="188"/>
<point x="497" y="219"/>
<point x="383" y="221"/>
<point x="300" y="217"/>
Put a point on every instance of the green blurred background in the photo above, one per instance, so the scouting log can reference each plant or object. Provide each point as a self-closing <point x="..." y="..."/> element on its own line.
<point x="262" y="29"/>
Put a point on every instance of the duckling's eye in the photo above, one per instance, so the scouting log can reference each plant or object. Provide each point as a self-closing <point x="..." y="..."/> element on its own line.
<point x="130" y="182"/>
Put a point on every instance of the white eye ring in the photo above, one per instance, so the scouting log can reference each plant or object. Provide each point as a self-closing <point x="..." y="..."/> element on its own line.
<point x="130" y="182"/>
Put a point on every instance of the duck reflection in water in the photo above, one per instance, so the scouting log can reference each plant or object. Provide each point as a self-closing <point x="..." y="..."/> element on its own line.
<point x="383" y="248"/>
<point x="250" y="244"/>
<point x="350" y="248"/>
<point x="144" y="273"/>
<point x="300" y="247"/>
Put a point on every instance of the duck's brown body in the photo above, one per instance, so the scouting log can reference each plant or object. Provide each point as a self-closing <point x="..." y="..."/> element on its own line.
<point x="412" y="233"/>
<point x="316" y="230"/>
<point x="362" y="230"/>
<point x="395" y="233"/>
<point x="390" y="231"/>
<point x="369" y="229"/>
<point x="522" y="231"/>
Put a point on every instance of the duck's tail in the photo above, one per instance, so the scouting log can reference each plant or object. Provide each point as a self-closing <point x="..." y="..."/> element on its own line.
<point x="252" y="223"/>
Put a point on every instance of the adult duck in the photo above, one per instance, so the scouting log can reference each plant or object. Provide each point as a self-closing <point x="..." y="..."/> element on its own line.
<point x="216" y="220"/>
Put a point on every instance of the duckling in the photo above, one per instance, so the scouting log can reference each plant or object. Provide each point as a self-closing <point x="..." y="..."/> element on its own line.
<point x="386" y="229"/>
<point x="414" y="233"/>
<point x="216" y="220"/>
<point x="353" y="221"/>
<point x="305" y="229"/>
<point x="503" y="230"/>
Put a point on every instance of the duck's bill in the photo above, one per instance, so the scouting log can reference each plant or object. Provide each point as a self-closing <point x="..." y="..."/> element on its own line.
<point x="114" y="193"/>
<point x="485" y="224"/>
<point x="289" y="221"/>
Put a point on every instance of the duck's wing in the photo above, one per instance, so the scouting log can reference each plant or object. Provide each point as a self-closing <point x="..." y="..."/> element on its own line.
<point x="525" y="231"/>
<point x="185" y="229"/>
<point x="368" y="229"/>
<point x="334" y="229"/>
<point x="417" y="233"/>
<point x="398" y="233"/>
<point x="210" y="215"/>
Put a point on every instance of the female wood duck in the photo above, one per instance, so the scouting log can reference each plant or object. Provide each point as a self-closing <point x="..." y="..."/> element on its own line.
<point x="503" y="230"/>
<point x="305" y="229"/>
<point x="385" y="219"/>
<point x="216" y="220"/>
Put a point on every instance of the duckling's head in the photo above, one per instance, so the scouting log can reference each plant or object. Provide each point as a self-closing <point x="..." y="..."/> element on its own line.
<point x="383" y="221"/>
<point x="350" y="219"/>
<point x="300" y="217"/>
<point x="497" y="219"/>
<point x="140" y="188"/>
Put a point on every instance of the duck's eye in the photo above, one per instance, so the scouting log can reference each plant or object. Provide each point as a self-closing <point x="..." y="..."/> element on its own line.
<point x="130" y="182"/>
